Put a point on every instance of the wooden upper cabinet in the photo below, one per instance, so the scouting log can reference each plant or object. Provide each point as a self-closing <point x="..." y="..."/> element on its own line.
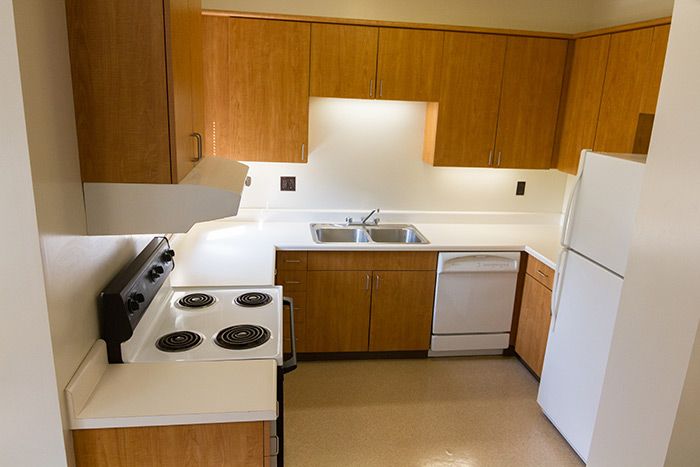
<point x="656" y="68"/>
<point x="529" y="105"/>
<point x="409" y="64"/>
<point x="461" y="131"/>
<point x="268" y="88"/>
<point x="343" y="61"/>
<point x="582" y="104"/>
<point x="627" y="73"/>
<point x="136" y="86"/>
<point x="218" y="130"/>
<point x="402" y="310"/>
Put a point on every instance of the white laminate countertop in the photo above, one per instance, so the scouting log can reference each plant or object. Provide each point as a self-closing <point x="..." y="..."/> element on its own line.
<point x="231" y="253"/>
<point x="101" y="395"/>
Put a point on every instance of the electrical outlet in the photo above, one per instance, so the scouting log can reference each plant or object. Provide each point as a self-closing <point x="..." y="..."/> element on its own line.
<point x="288" y="183"/>
<point x="520" y="189"/>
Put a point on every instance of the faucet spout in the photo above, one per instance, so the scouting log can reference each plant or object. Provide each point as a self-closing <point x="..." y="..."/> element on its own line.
<point x="374" y="211"/>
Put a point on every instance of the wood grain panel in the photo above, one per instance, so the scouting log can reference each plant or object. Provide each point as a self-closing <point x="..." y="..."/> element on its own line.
<point x="656" y="68"/>
<point x="532" y="82"/>
<point x="337" y="314"/>
<point x="582" y="105"/>
<point x="119" y="90"/>
<point x="472" y="72"/>
<point x="215" y="44"/>
<point x="207" y="445"/>
<point x="540" y="271"/>
<point x="533" y="327"/>
<point x="627" y="72"/>
<point x="292" y="280"/>
<point x="409" y="64"/>
<point x="343" y="61"/>
<point x="402" y="310"/>
<point x="185" y="75"/>
<point x="666" y="20"/>
<point x="291" y="260"/>
<point x="299" y="321"/>
<point x="372" y="260"/>
<point x="269" y="90"/>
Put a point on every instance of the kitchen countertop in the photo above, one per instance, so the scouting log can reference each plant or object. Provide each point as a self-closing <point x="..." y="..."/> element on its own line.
<point x="232" y="253"/>
<point x="101" y="395"/>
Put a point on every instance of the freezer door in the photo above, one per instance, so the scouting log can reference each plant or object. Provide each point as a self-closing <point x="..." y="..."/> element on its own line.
<point x="604" y="208"/>
<point x="578" y="348"/>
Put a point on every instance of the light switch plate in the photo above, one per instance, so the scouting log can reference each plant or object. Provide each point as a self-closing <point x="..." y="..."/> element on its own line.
<point x="288" y="183"/>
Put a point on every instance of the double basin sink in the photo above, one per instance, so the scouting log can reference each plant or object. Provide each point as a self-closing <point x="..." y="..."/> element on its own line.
<point x="384" y="233"/>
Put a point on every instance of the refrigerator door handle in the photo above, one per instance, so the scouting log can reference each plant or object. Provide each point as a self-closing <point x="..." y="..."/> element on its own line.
<point x="556" y="293"/>
<point x="567" y="217"/>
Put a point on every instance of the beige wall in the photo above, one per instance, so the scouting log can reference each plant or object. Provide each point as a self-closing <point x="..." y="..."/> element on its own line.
<point x="75" y="266"/>
<point x="684" y="448"/>
<point x="365" y="154"/>
<point x="567" y="16"/>
<point x="657" y="322"/>
<point x="30" y="426"/>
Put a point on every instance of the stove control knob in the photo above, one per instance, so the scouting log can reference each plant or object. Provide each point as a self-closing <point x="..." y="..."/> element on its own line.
<point x="168" y="255"/>
<point x="138" y="297"/>
<point x="156" y="271"/>
<point x="132" y="305"/>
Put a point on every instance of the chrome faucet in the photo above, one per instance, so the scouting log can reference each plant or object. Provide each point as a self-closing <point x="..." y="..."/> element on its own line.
<point x="363" y="221"/>
<point x="376" y="219"/>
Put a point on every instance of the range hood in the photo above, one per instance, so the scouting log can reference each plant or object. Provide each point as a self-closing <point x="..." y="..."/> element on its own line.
<point x="211" y="190"/>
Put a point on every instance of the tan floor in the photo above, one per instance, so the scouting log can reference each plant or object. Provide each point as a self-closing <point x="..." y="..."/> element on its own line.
<point x="478" y="411"/>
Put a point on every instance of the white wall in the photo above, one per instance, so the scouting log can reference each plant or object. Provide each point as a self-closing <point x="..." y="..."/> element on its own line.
<point x="658" y="317"/>
<point x="366" y="154"/>
<point x="567" y="16"/>
<point x="75" y="267"/>
<point x="30" y="426"/>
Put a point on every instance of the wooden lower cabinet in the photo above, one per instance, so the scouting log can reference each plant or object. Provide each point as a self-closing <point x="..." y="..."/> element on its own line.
<point x="402" y="310"/>
<point x="206" y="445"/>
<point x="533" y="327"/>
<point x="337" y="313"/>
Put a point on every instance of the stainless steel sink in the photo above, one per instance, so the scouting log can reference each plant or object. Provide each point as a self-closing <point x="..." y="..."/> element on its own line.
<point x="396" y="234"/>
<point x="387" y="233"/>
<point x="338" y="234"/>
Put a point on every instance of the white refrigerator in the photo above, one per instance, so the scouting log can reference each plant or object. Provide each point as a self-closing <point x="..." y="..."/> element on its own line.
<point x="596" y="238"/>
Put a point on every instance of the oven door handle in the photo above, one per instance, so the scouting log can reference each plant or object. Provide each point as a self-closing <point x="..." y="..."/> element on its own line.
<point x="290" y="364"/>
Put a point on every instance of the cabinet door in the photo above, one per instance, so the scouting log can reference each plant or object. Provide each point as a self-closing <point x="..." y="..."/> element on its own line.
<point x="627" y="72"/>
<point x="533" y="327"/>
<point x="470" y="88"/>
<point x="268" y="89"/>
<point x="582" y="103"/>
<point x="402" y="310"/>
<point x="409" y="64"/>
<point x="337" y="311"/>
<point x="119" y="89"/>
<point x="532" y="81"/>
<point x="215" y="45"/>
<point x="185" y="82"/>
<point x="343" y="61"/>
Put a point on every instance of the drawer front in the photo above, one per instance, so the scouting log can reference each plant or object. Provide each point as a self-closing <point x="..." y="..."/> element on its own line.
<point x="291" y="260"/>
<point x="292" y="281"/>
<point x="540" y="272"/>
<point x="372" y="260"/>
<point x="299" y="307"/>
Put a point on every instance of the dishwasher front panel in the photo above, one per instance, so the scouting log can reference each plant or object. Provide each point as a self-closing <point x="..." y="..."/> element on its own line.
<point x="474" y="299"/>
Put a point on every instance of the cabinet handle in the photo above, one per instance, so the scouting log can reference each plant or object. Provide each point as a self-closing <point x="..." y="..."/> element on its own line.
<point x="303" y="151"/>
<point x="292" y="261"/>
<point x="371" y="88"/>
<point x="198" y="137"/>
<point x="367" y="281"/>
<point x="490" y="157"/>
<point x="542" y="274"/>
<point x="381" y="87"/>
<point x="377" y="282"/>
<point x="292" y="282"/>
<point x="498" y="164"/>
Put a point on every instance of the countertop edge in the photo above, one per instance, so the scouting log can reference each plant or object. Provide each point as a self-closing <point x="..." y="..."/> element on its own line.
<point x="161" y="420"/>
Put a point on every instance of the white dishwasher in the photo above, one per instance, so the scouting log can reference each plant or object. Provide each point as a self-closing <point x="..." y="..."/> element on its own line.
<point x="474" y="299"/>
